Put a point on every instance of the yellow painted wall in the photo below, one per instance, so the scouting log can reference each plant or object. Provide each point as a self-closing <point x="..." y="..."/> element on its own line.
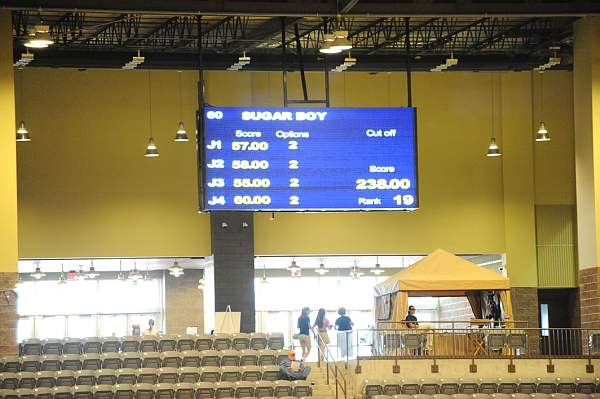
<point x="86" y="190"/>
<point x="8" y="159"/>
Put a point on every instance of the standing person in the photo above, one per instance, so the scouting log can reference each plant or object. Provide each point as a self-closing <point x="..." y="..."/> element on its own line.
<point x="344" y="326"/>
<point x="304" y="332"/>
<point x="151" y="330"/>
<point x="411" y="319"/>
<point x="322" y="324"/>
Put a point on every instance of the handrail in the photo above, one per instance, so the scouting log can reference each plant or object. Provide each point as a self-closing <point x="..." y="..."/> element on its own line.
<point x="340" y="379"/>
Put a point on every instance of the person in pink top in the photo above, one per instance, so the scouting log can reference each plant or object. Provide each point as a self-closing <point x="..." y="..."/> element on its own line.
<point x="322" y="325"/>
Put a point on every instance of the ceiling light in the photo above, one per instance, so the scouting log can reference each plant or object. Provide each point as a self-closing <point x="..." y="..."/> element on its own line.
<point x="293" y="266"/>
<point x="341" y="41"/>
<point x="241" y="63"/>
<point x="322" y="270"/>
<point x="181" y="133"/>
<point x="542" y="134"/>
<point x="151" y="149"/>
<point x="134" y="275"/>
<point x="92" y="273"/>
<point x="264" y="280"/>
<point x="38" y="273"/>
<point x="201" y="283"/>
<point x="450" y="62"/>
<point x="80" y="275"/>
<point x="377" y="270"/>
<point x="22" y="133"/>
<point x="493" y="150"/>
<point x="135" y="62"/>
<point x="25" y="59"/>
<point x="326" y="47"/>
<point x="348" y="62"/>
<point x="41" y="38"/>
<point x="61" y="279"/>
<point x="121" y="275"/>
<point x="147" y="275"/>
<point x="176" y="270"/>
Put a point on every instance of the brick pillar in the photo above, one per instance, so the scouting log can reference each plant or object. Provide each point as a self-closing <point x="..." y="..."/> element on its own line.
<point x="232" y="239"/>
<point x="589" y="297"/>
<point x="184" y="302"/>
<point x="8" y="314"/>
<point x="525" y="308"/>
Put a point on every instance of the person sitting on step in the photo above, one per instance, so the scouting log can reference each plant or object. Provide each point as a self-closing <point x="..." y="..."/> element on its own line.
<point x="292" y="370"/>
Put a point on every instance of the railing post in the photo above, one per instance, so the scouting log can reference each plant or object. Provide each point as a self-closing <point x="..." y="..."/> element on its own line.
<point x="336" y="383"/>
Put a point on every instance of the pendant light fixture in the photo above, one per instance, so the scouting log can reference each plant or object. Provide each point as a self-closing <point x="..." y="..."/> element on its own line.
<point x="264" y="280"/>
<point x="61" y="279"/>
<point x="80" y="275"/>
<point x="293" y="267"/>
<point x="326" y="47"/>
<point x="341" y="42"/>
<point x="38" y="273"/>
<point x="40" y="38"/>
<point x="377" y="270"/>
<point x="147" y="275"/>
<point x="176" y="270"/>
<point x="542" y="134"/>
<point x="134" y="275"/>
<point x="121" y="275"/>
<point x="151" y="149"/>
<point x="92" y="274"/>
<point x="493" y="149"/>
<point x="22" y="133"/>
<point x="322" y="270"/>
<point x="181" y="134"/>
<point x="355" y="272"/>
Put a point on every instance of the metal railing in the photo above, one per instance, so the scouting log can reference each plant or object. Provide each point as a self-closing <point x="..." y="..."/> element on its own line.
<point x="325" y="356"/>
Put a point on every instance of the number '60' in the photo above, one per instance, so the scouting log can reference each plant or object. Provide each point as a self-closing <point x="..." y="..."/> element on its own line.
<point x="214" y="114"/>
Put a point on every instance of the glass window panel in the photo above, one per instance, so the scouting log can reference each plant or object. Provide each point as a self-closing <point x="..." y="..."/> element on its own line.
<point x="140" y="298"/>
<point x="142" y="321"/>
<point x="113" y="325"/>
<point x="50" y="327"/>
<point x="25" y="328"/>
<point x="81" y="326"/>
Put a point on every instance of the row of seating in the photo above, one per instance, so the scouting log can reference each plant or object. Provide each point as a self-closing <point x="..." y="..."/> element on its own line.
<point x="201" y="390"/>
<point x="493" y="396"/>
<point x="94" y="361"/>
<point x="50" y="379"/>
<point x="475" y="386"/>
<point x="147" y="343"/>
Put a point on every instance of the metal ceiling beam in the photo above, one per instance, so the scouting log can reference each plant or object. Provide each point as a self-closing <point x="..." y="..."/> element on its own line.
<point x="524" y="8"/>
<point x="401" y="34"/>
<point x="449" y="36"/>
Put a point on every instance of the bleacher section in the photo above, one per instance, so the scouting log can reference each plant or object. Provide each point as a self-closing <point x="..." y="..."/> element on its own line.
<point x="165" y="367"/>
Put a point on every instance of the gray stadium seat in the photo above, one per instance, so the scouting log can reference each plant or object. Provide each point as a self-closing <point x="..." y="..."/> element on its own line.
<point x="52" y="346"/>
<point x="51" y="362"/>
<point x="210" y="358"/>
<point x="27" y="379"/>
<point x="106" y="377"/>
<point x="45" y="379"/>
<point x="468" y="386"/>
<point x="267" y="357"/>
<point x="11" y="364"/>
<point x="151" y="360"/>
<point x="547" y="386"/>
<point x="130" y="344"/>
<point x="91" y="361"/>
<point x="92" y="345"/>
<point x="26" y="393"/>
<point x="270" y="373"/>
<point x="210" y="374"/>
<point x="249" y="357"/>
<point x="190" y="359"/>
<point x="146" y="376"/>
<point x="283" y="388"/>
<point x="111" y="361"/>
<point x="103" y="391"/>
<point x="409" y="387"/>
<point x="71" y="362"/>
<point x="131" y="360"/>
<point x="372" y="388"/>
<point x="204" y="342"/>
<point x="44" y="393"/>
<point x="9" y="380"/>
<point x="62" y="392"/>
<point x="124" y="391"/>
<point x="265" y="389"/>
<point x="149" y="343"/>
<point x="111" y="345"/>
<point x="186" y="342"/>
<point x="302" y="388"/>
<point x="222" y="342"/>
<point x="8" y="394"/>
<point x="30" y="363"/>
<point x="170" y="359"/>
<point x="429" y="387"/>
<point x="488" y="387"/>
<point x="205" y="390"/>
<point x="244" y="389"/>
<point x="501" y="396"/>
<point x="189" y="375"/>
<point x="31" y="346"/>
<point x="65" y="378"/>
<point x="240" y="341"/>
<point x="231" y="374"/>
<point x="144" y="391"/>
<point x="72" y="346"/>
<point x="224" y="390"/>
<point x="258" y="341"/>
<point x="276" y="341"/>
<point x="167" y="343"/>
<point x="586" y="385"/>
<point x="507" y="386"/>
<point x="390" y="387"/>
<point x="85" y="377"/>
<point x="164" y="391"/>
<point x="185" y="390"/>
<point x="126" y="376"/>
<point x="230" y="357"/>
<point x="82" y="392"/>
<point x="168" y="375"/>
<point x="449" y="386"/>
<point x="566" y="386"/>
<point x="251" y="373"/>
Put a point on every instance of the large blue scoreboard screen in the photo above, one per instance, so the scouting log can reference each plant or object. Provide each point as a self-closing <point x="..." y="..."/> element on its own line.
<point x="309" y="159"/>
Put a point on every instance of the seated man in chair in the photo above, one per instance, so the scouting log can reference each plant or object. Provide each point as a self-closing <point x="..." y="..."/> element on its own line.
<point x="293" y="370"/>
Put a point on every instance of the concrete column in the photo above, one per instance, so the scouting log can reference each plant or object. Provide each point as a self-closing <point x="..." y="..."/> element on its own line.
<point x="586" y="87"/>
<point x="232" y="238"/>
<point x="184" y="302"/>
<point x="8" y="192"/>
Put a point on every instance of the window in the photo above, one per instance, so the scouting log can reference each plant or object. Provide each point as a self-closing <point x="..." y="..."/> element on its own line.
<point x="545" y="320"/>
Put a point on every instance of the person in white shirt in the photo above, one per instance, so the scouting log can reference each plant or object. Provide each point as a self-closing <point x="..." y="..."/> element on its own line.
<point x="151" y="330"/>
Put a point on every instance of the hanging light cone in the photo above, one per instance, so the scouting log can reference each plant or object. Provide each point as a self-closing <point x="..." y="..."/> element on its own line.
<point x="341" y="42"/>
<point x="22" y="133"/>
<point x="542" y="134"/>
<point x="322" y="270"/>
<point x="493" y="150"/>
<point x="41" y="38"/>
<point x="38" y="273"/>
<point x="181" y="133"/>
<point x="151" y="149"/>
<point x="327" y="47"/>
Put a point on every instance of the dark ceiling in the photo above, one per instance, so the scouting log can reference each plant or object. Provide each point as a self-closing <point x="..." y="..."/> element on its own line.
<point x="483" y="35"/>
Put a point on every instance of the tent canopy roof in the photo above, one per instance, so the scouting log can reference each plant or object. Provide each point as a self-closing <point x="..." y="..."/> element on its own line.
<point x="443" y="271"/>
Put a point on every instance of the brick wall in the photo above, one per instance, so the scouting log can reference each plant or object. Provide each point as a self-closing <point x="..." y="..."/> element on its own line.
<point x="233" y="251"/>
<point x="525" y="308"/>
<point x="589" y="297"/>
<point x="184" y="305"/>
<point x="8" y="315"/>
<point x="455" y="309"/>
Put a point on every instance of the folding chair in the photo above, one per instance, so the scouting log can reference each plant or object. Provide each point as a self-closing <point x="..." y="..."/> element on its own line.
<point x="240" y="341"/>
<point x="63" y="393"/>
<point x="190" y="359"/>
<point x="11" y="364"/>
<point x="164" y="391"/>
<point x="45" y="379"/>
<point x="222" y="342"/>
<point x="224" y="390"/>
<point x="267" y="357"/>
<point x="130" y="344"/>
<point x="188" y="375"/>
<point x="146" y="376"/>
<point x="185" y="390"/>
<point x="71" y="362"/>
<point x="30" y="363"/>
<point x="258" y="341"/>
<point x="251" y="373"/>
<point x="126" y="376"/>
<point x="276" y="341"/>
<point x="204" y="342"/>
<point x="151" y="360"/>
<point x="283" y="388"/>
<point x="9" y="380"/>
<point x="112" y="345"/>
<point x="52" y="346"/>
<point x="85" y="377"/>
<point x="131" y="360"/>
<point x="82" y="392"/>
<point x="449" y="386"/>
<point x="103" y="391"/>
<point x="186" y="342"/>
<point x="170" y="359"/>
<point x="230" y="357"/>
<point x="244" y="389"/>
<point x="148" y="344"/>
<point x="92" y="345"/>
<point x="72" y="346"/>
<point x="210" y="358"/>
<point x="44" y="393"/>
<point x="168" y="375"/>
<point x="28" y="379"/>
<point x="230" y="374"/>
<point x="205" y="390"/>
<point x="31" y="346"/>
<point x="302" y="388"/>
<point x="144" y="391"/>
<point x="270" y="373"/>
<point x="210" y="374"/>
<point x="390" y="387"/>
<point x="106" y="377"/>
<point x="124" y="391"/>
<point x="167" y="343"/>
<point x="111" y="361"/>
<point x="91" y="361"/>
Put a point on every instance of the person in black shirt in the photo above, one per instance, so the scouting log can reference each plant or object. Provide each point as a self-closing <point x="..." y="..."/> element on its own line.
<point x="411" y="319"/>
<point x="344" y="325"/>
<point x="304" y="332"/>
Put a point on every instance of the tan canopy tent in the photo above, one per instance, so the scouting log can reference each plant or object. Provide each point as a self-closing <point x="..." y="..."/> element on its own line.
<point x="439" y="274"/>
